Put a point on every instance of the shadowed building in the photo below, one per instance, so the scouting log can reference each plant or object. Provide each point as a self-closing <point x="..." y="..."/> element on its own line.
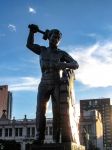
<point x="91" y="130"/>
<point x="23" y="131"/>
<point x="5" y="101"/>
<point x="103" y="106"/>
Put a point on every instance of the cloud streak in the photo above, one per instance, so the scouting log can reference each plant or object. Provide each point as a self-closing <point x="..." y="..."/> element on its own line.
<point x="95" y="68"/>
<point x="21" y="83"/>
<point x="32" y="10"/>
<point x="95" y="64"/>
<point x="12" y="27"/>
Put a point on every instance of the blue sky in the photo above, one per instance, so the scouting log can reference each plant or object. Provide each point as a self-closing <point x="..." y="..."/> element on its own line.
<point x="86" y="26"/>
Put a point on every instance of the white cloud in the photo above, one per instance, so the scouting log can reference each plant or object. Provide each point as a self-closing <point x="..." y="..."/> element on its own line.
<point x="12" y="27"/>
<point x="95" y="68"/>
<point x="32" y="10"/>
<point x="95" y="64"/>
<point x="20" y="83"/>
<point x="91" y="35"/>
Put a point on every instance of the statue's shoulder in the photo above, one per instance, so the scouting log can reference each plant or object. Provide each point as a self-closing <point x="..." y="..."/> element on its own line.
<point x="62" y="52"/>
<point x="43" y="49"/>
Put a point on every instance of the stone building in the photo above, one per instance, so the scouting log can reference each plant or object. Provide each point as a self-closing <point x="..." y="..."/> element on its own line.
<point x="91" y="130"/>
<point x="103" y="106"/>
<point x="22" y="131"/>
<point x="5" y="101"/>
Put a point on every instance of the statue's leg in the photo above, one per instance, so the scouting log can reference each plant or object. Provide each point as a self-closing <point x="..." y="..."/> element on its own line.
<point x="42" y="99"/>
<point x="56" y="114"/>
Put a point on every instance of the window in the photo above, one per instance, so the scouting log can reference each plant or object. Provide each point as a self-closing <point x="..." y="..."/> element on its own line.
<point x="90" y="103"/>
<point x="33" y="131"/>
<point x="28" y="132"/>
<point x="6" y="132"/>
<point x="0" y="132"/>
<point x="96" y="102"/>
<point x="50" y="130"/>
<point x="10" y="131"/>
<point x="46" y="131"/>
<point x="18" y="131"/>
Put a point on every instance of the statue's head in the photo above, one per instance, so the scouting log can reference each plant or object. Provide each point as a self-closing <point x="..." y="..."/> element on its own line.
<point x="54" y="37"/>
<point x="55" y="31"/>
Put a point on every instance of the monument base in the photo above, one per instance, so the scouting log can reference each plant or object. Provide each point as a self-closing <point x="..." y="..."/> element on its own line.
<point x="56" y="146"/>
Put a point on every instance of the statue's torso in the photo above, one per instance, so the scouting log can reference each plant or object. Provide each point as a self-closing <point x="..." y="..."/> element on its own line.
<point x="48" y="61"/>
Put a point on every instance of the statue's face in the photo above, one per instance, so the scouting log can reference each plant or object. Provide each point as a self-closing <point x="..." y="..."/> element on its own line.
<point x="54" y="40"/>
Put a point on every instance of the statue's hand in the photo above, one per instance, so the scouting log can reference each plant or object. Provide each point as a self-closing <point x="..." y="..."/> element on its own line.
<point x="63" y="65"/>
<point x="33" y="28"/>
<point x="60" y="65"/>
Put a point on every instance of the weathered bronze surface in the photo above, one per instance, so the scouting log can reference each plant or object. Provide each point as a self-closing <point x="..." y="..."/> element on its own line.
<point x="52" y="61"/>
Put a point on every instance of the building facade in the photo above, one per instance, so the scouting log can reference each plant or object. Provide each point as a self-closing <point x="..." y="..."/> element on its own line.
<point x="5" y="101"/>
<point x="91" y="130"/>
<point x="104" y="107"/>
<point x="23" y="131"/>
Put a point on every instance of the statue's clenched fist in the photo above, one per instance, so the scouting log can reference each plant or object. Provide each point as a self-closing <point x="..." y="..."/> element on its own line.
<point x="33" y="28"/>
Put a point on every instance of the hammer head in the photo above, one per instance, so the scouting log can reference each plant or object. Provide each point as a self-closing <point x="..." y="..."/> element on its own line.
<point x="46" y="35"/>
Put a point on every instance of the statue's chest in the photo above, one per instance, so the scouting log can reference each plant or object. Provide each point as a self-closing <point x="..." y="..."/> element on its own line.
<point x="47" y="56"/>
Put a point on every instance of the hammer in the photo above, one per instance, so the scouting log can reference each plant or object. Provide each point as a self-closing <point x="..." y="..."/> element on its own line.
<point x="35" y="29"/>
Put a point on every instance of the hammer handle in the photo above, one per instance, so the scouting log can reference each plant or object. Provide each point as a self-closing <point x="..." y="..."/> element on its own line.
<point x="40" y="31"/>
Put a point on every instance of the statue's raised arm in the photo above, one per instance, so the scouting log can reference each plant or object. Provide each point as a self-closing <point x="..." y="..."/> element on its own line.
<point x="52" y="60"/>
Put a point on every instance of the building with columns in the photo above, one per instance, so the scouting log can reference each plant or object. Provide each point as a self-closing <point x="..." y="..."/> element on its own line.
<point x="22" y="131"/>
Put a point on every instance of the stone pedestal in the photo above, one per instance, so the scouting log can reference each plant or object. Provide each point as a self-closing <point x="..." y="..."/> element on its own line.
<point x="60" y="146"/>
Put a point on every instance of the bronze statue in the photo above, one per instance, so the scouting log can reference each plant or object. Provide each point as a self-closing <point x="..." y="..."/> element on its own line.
<point x="52" y="60"/>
